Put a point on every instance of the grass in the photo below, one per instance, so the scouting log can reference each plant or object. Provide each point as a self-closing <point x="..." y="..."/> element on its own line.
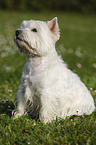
<point x="77" y="46"/>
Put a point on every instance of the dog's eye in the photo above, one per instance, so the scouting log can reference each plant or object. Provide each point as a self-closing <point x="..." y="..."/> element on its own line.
<point x="34" y="30"/>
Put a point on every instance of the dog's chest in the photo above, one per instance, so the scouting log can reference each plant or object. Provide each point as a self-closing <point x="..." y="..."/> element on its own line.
<point x="33" y="74"/>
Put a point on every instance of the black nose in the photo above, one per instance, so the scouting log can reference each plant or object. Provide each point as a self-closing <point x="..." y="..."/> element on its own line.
<point x="17" y="32"/>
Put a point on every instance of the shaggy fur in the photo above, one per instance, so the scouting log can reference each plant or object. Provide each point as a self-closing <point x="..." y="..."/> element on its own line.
<point x="48" y="88"/>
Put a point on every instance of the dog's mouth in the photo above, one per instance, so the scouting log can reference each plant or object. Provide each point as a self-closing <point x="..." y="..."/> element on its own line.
<point x="18" y="38"/>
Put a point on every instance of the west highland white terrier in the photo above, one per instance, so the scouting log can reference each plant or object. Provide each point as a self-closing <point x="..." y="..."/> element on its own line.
<point x="48" y="88"/>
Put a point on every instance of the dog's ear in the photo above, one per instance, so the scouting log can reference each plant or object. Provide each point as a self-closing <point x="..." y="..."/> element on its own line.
<point x="23" y="24"/>
<point x="54" y="28"/>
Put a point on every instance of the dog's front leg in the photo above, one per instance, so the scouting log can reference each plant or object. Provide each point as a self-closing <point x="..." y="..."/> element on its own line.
<point x="20" y="102"/>
<point x="23" y="95"/>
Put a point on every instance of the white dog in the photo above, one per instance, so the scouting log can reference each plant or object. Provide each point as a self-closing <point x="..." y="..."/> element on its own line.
<point x="48" y="88"/>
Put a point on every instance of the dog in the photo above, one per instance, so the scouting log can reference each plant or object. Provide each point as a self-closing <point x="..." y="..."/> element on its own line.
<point x="48" y="88"/>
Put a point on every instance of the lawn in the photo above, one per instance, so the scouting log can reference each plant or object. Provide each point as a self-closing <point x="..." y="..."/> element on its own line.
<point x="77" y="47"/>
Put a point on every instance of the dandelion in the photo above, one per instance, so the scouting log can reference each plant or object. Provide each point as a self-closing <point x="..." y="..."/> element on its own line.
<point x="94" y="65"/>
<point x="70" y="50"/>
<point x="78" y="53"/>
<point x="9" y="90"/>
<point x="62" y="48"/>
<point x="8" y="68"/>
<point x="3" y="55"/>
<point x="79" y="65"/>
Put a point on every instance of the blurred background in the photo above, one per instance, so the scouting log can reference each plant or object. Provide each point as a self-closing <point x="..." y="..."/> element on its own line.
<point x="85" y="6"/>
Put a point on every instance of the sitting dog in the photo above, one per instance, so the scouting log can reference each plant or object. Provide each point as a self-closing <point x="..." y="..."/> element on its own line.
<point x="48" y="88"/>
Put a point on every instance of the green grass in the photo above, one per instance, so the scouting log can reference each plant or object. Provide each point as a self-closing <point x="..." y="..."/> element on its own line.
<point x="77" y="46"/>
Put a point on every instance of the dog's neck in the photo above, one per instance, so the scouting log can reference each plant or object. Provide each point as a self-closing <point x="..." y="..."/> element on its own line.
<point x="36" y="60"/>
<point x="40" y="60"/>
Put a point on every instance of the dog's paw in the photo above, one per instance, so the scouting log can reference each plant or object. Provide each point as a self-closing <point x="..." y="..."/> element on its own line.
<point x="16" y="114"/>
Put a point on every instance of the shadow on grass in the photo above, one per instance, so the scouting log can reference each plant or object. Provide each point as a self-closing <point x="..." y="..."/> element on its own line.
<point x="6" y="108"/>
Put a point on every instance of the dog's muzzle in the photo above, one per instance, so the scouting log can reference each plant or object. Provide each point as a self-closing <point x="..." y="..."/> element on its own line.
<point x="22" y="44"/>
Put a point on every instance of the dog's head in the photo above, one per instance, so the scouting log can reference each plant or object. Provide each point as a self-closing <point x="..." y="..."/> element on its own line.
<point x="37" y="37"/>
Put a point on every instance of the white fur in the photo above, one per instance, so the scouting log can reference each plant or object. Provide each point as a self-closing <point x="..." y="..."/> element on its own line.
<point x="53" y="89"/>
